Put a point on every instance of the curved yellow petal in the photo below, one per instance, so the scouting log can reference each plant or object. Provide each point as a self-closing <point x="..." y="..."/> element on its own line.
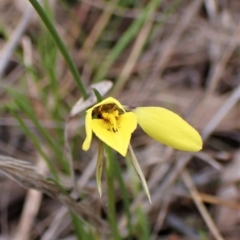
<point x="168" y="128"/>
<point x="120" y="138"/>
<point x="109" y="100"/>
<point x="88" y="127"/>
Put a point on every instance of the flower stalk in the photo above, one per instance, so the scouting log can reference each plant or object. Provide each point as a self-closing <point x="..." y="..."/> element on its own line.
<point x="111" y="193"/>
<point x="99" y="167"/>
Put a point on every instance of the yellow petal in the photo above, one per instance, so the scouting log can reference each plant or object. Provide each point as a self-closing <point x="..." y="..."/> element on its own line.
<point x="88" y="127"/>
<point x="168" y="128"/>
<point x="118" y="140"/>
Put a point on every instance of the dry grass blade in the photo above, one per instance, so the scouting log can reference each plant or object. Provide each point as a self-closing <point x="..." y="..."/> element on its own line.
<point x="221" y="113"/>
<point x="52" y="231"/>
<point x="12" y="44"/>
<point x="98" y="28"/>
<point x="210" y="160"/>
<point x="171" y="42"/>
<point x="31" y="207"/>
<point x="218" y="201"/>
<point x="133" y="57"/>
<point x="26" y="175"/>
<point x="202" y="209"/>
<point x="219" y="67"/>
<point x="162" y="214"/>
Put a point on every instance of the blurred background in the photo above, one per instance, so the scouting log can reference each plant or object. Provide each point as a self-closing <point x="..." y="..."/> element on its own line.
<point x="179" y="54"/>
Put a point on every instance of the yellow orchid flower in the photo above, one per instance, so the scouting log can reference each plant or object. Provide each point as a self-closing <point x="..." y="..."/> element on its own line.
<point x="114" y="126"/>
<point x="111" y="123"/>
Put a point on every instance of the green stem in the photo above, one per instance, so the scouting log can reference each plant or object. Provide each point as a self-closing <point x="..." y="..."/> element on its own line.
<point x="111" y="196"/>
<point x="61" y="47"/>
<point x="124" y="193"/>
<point x="78" y="227"/>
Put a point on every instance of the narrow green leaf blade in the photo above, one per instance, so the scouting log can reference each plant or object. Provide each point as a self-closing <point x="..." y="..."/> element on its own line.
<point x="138" y="170"/>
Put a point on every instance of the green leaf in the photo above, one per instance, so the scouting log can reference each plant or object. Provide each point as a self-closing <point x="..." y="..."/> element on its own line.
<point x="99" y="168"/>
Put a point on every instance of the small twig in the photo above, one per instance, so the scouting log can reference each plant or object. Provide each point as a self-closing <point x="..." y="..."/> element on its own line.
<point x="181" y="226"/>
<point x="162" y="214"/>
<point x="202" y="209"/>
<point x="98" y="27"/>
<point x="168" y="46"/>
<point x="92" y="38"/>
<point x="133" y="57"/>
<point x="31" y="207"/>
<point x="214" y="46"/>
<point x="54" y="228"/>
<point x="12" y="44"/>
<point x="209" y="160"/>
<point x="218" y="201"/>
<point x="221" y="113"/>
<point x="218" y="67"/>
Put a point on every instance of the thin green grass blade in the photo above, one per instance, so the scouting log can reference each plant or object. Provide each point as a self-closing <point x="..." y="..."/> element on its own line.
<point x="143" y="225"/>
<point x="25" y="107"/>
<point x="61" y="47"/>
<point x="111" y="193"/>
<point x="78" y="228"/>
<point x="99" y="168"/>
<point x="49" y="55"/>
<point x="35" y="142"/>
<point x="124" y="193"/>
<point x="138" y="170"/>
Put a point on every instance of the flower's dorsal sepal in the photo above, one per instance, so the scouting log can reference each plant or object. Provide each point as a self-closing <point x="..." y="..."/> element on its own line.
<point x="81" y="105"/>
<point x="99" y="168"/>
<point x="168" y="128"/>
<point x="112" y="125"/>
<point x="138" y="170"/>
